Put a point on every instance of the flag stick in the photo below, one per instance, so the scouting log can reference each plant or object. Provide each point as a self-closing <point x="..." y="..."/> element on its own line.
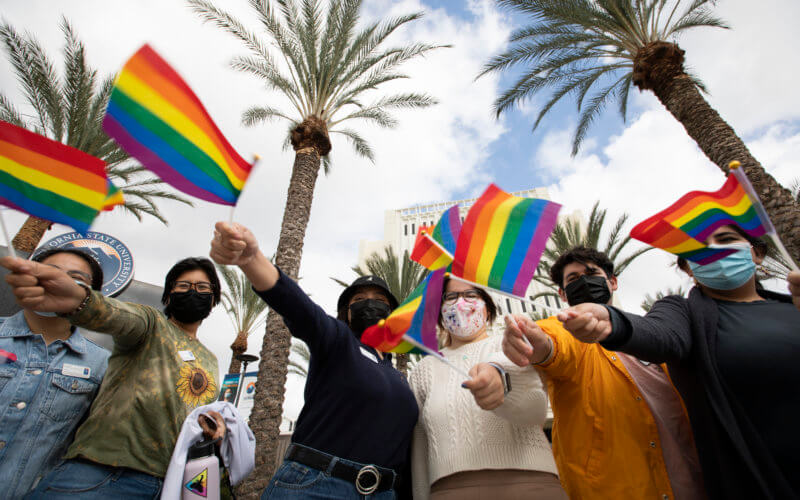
<point x="436" y="355"/>
<point x="11" y="251"/>
<point x="549" y="309"/>
<point x="741" y="176"/>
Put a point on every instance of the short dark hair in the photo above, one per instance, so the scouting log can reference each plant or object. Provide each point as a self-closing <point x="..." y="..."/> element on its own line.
<point x="761" y="247"/>
<point x="582" y="255"/>
<point x="94" y="266"/>
<point x="491" y="308"/>
<point x="191" y="264"/>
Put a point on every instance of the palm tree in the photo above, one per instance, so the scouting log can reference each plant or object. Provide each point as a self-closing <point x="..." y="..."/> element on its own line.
<point x="325" y="64"/>
<point x="649" y="300"/>
<point x="70" y="109"/>
<point x="245" y="310"/>
<point x="299" y="366"/>
<point x="402" y="276"/>
<point x="570" y="233"/>
<point x="604" y="47"/>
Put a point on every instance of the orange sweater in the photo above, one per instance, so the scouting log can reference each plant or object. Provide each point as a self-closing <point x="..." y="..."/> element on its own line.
<point x="605" y="439"/>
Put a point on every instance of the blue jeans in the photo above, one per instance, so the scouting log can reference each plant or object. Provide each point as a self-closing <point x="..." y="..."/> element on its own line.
<point x="81" y="479"/>
<point x="294" y="480"/>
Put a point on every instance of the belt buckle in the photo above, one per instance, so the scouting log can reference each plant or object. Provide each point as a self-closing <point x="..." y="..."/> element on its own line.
<point x="368" y="469"/>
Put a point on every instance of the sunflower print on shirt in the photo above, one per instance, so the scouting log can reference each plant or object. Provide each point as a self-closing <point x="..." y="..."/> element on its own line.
<point x="194" y="386"/>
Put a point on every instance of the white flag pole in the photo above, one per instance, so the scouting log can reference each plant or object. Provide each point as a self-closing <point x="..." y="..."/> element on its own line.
<point x="10" y="247"/>
<point x="741" y="176"/>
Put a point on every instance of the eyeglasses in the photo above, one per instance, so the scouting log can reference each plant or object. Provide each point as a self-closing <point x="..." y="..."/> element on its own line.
<point x="200" y="286"/>
<point x="469" y="296"/>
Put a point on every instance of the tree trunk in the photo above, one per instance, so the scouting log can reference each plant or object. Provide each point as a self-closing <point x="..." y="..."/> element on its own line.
<point x="239" y="346"/>
<point x="310" y="141"/>
<point x="30" y="234"/>
<point x="659" y="67"/>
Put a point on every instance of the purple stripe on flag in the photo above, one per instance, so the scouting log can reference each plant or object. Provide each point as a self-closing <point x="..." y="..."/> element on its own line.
<point x="545" y="227"/>
<point x="149" y="159"/>
<point x="433" y="305"/>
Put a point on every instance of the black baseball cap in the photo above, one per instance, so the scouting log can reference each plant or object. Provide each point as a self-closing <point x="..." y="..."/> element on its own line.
<point x="371" y="280"/>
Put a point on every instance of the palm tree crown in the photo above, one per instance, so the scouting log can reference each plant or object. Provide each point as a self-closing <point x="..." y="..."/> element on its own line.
<point x="70" y="109"/>
<point x="570" y="233"/>
<point x="326" y="66"/>
<point x="580" y="46"/>
<point x="245" y="310"/>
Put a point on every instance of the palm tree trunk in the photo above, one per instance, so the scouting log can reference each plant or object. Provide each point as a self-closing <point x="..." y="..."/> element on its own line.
<point x="30" y="234"/>
<point x="239" y="346"/>
<point x="659" y="67"/>
<point x="267" y="413"/>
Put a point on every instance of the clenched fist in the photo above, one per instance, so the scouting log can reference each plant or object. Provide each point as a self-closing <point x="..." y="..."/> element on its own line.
<point x="486" y="386"/>
<point x="587" y="322"/>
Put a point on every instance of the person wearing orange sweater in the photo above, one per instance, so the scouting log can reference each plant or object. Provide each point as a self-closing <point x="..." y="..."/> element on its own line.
<point x="620" y="429"/>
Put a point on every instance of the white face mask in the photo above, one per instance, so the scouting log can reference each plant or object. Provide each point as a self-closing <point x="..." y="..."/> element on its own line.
<point x="463" y="319"/>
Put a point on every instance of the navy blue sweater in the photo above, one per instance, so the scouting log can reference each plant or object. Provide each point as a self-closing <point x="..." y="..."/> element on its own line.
<point x="357" y="406"/>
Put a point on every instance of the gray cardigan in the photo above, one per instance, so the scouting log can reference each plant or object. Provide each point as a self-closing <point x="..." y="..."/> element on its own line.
<point x="682" y="333"/>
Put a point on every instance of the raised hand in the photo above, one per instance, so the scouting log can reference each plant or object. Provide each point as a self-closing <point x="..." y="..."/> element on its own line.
<point x="233" y="244"/>
<point x="41" y="287"/>
<point x="213" y="425"/>
<point x="486" y="386"/>
<point x="587" y="322"/>
<point x="794" y="287"/>
<point x="515" y="348"/>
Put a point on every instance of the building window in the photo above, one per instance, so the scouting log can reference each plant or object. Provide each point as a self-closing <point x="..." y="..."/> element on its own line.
<point x="405" y="230"/>
<point x="413" y="230"/>
<point x="508" y="305"/>
<point x="547" y="300"/>
<point x="522" y="304"/>
<point x="558" y="303"/>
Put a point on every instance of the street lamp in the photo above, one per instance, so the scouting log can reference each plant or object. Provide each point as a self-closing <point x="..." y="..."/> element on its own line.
<point x="245" y="359"/>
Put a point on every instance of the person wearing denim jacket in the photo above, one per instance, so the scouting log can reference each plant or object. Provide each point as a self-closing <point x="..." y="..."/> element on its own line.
<point x="49" y="376"/>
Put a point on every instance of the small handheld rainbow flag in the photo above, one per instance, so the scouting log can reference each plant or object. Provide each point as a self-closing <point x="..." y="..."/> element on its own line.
<point x="113" y="198"/>
<point x="157" y="119"/>
<point x="658" y="233"/>
<point x="411" y="328"/>
<point x="7" y="357"/>
<point x="502" y="240"/>
<point x="50" y="180"/>
<point x="434" y="248"/>
<point x="700" y="213"/>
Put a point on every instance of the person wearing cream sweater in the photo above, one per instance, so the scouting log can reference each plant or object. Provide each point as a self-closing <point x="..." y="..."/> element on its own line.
<point x="487" y="440"/>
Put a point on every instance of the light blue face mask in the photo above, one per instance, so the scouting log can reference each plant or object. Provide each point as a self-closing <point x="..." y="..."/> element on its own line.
<point x="729" y="272"/>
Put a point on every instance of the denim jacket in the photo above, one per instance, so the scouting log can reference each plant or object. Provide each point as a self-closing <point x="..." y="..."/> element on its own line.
<point x="44" y="395"/>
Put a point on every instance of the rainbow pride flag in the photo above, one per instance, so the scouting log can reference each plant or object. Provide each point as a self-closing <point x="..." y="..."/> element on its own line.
<point x="411" y="328"/>
<point x="114" y="197"/>
<point x="50" y="180"/>
<point x="7" y="357"/>
<point x="434" y="248"/>
<point x="658" y="233"/>
<point x="700" y="213"/>
<point x="159" y="121"/>
<point x="502" y="240"/>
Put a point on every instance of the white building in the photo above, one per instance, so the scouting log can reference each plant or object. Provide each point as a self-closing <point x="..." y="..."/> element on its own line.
<point x="400" y="231"/>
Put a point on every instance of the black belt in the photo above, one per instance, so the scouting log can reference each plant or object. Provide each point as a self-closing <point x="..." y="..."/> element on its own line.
<point x="367" y="478"/>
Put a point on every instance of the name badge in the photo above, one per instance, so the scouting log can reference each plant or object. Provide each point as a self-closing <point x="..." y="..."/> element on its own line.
<point x="186" y="355"/>
<point x="368" y="355"/>
<point x="75" y="370"/>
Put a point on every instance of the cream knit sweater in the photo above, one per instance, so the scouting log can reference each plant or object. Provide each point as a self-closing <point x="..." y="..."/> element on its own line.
<point x="453" y="434"/>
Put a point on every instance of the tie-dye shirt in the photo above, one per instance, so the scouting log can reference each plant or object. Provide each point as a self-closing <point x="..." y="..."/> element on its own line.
<point x="156" y="376"/>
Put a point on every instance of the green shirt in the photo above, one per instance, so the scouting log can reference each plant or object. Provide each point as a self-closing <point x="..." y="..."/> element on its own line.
<point x="151" y="385"/>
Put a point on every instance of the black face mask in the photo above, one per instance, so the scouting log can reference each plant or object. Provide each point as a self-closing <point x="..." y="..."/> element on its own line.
<point x="366" y="313"/>
<point x="588" y="289"/>
<point x="189" y="306"/>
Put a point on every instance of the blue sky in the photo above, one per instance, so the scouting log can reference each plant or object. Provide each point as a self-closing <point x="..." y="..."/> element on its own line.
<point x="446" y="152"/>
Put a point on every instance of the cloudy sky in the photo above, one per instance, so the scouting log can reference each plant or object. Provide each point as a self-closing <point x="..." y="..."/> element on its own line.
<point x="446" y="152"/>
